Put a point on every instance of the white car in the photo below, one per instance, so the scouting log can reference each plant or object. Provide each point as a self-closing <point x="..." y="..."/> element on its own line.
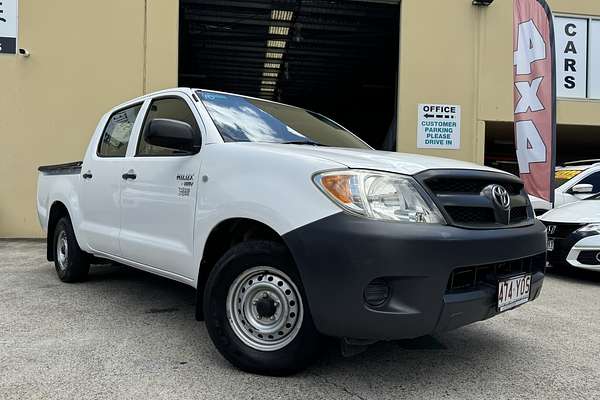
<point x="290" y="227"/>
<point x="574" y="181"/>
<point x="574" y="234"/>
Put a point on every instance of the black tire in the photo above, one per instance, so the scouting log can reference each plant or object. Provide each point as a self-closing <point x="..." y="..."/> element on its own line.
<point x="298" y="353"/>
<point x="76" y="265"/>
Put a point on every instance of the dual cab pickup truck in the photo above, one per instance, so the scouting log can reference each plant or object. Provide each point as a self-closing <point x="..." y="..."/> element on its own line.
<point x="290" y="227"/>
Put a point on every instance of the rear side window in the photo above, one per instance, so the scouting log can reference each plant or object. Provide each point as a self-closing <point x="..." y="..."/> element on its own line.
<point x="168" y="108"/>
<point x="117" y="132"/>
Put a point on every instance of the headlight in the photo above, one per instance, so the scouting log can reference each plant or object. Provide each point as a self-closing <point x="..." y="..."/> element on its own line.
<point x="378" y="195"/>
<point x="590" y="228"/>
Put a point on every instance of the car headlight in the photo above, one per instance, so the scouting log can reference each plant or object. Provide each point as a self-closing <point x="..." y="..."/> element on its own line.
<point x="378" y="195"/>
<point x="590" y="228"/>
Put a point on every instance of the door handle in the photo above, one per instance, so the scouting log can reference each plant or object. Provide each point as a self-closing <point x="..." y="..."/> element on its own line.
<point x="129" y="175"/>
<point x="87" y="175"/>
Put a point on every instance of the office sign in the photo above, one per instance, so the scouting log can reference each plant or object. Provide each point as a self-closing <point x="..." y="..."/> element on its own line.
<point x="438" y="126"/>
<point x="535" y="95"/>
<point x="578" y="56"/>
<point x="8" y="26"/>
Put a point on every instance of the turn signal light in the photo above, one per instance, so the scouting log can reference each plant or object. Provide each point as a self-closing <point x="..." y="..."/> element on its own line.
<point x="338" y="186"/>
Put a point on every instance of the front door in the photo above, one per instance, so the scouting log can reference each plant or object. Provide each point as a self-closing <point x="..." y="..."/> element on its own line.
<point x="101" y="182"/>
<point x="158" y="197"/>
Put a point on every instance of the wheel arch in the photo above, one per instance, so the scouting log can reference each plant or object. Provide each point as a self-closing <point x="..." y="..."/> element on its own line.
<point x="58" y="210"/>
<point x="223" y="237"/>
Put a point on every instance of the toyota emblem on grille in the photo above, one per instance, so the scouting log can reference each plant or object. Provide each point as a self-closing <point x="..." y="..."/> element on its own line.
<point x="500" y="201"/>
<point x="501" y="196"/>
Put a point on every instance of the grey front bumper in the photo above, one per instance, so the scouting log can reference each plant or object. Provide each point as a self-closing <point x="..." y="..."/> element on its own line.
<point x="340" y="255"/>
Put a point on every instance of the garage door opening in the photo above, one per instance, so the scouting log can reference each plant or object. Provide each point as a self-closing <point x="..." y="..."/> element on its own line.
<point x="573" y="143"/>
<point x="338" y="58"/>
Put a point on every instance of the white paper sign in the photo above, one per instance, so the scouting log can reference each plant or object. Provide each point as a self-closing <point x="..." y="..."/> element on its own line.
<point x="571" y="56"/>
<point x="8" y="26"/>
<point x="438" y="126"/>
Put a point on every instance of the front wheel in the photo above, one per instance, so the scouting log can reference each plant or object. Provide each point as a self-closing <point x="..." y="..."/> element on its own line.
<point x="257" y="314"/>
<point x="71" y="263"/>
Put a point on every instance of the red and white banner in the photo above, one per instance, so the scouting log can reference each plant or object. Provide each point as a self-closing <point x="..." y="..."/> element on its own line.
<point x="535" y="96"/>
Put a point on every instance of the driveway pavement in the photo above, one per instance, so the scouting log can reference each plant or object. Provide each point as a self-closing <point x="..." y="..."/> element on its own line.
<point x="128" y="334"/>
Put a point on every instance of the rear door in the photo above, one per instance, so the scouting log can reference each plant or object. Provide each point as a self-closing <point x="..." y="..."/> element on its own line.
<point x="159" y="197"/>
<point x="101" y="180"/>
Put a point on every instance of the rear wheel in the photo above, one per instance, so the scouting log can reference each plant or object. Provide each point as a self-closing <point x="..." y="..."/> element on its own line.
<point x="256" y="311"/>
<point x="70" y="262"/>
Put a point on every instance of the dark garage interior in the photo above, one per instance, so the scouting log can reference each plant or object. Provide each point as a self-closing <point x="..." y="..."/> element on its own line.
<point x="338" y="58"/>
<point x="573" y="143"/>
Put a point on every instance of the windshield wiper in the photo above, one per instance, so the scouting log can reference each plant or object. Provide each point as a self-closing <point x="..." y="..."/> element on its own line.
<point x="306" y="142"/>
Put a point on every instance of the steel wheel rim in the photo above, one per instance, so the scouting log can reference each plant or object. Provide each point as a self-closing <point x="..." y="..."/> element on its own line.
<point x="246" y="301"/>
<point x="62" y="250"/>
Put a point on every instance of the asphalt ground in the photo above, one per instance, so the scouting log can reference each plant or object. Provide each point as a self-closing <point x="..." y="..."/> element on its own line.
<point x="128" y="334"/>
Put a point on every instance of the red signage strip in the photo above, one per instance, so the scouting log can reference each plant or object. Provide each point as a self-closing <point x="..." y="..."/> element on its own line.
<point x="535" y="96"/>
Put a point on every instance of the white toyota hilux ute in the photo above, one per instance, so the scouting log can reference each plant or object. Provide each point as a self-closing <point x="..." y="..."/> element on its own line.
<point x="290" y="227"/>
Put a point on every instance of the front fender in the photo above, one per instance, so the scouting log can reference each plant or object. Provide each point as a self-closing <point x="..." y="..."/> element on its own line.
<point x="240" y="181"/>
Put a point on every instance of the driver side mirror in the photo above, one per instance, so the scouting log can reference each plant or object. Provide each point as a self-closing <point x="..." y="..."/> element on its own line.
<point x="173" y="134"/>
<point x="582" y="188"/>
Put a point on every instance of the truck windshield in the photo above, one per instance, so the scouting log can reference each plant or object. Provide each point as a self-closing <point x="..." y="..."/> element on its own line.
<point x="243" y="119"/>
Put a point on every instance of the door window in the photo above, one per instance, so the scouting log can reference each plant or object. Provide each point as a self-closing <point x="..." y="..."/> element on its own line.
<point x="115" y="137"/>
<point x="168" y="108"/>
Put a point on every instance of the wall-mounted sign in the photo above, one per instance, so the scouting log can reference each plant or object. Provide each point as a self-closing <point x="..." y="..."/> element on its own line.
<point x="578" y="57"/>
<point x="8" y="26"/>
<point x="438" y="126"/>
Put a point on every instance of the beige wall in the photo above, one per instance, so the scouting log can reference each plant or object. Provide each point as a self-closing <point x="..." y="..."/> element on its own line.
<point x="495" y="85"/>
<point x="457" y="53"/>
<point x="86" y="56"/>
<point x="439" y="65"/>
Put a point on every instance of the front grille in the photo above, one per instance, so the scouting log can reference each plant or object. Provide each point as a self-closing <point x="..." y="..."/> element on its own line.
<point x="589" y="257"/>
<point x="483" y="215"/>
<point x="518" y="214"/>
<point x="471" y="278"/>
<point x="463" y="198"/>
<point x="471" y="215"/>
<point x="561" y="250"/>
<point x="467" y="185"/>
<point x="561" y="230"/>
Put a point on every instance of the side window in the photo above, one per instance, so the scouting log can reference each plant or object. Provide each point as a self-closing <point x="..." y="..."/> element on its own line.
<point x="115" y="137"/>
<point x="168" y="108"/>
<point x="594" y="180"/>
